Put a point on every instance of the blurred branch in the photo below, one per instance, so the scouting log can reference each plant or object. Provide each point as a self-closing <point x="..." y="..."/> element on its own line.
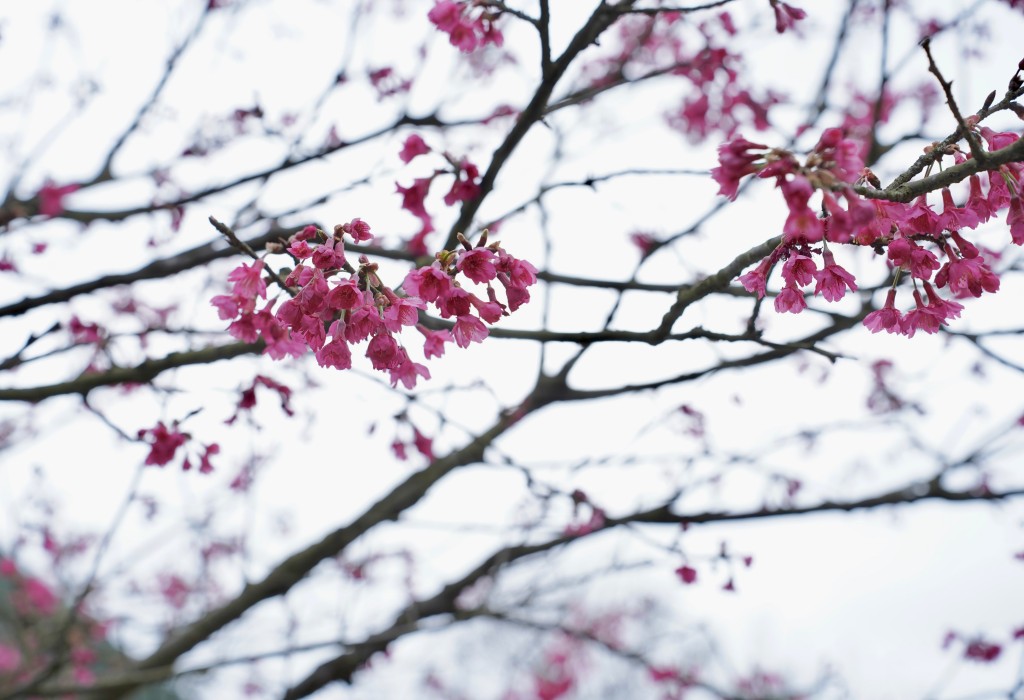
<point x="139" y="374"/>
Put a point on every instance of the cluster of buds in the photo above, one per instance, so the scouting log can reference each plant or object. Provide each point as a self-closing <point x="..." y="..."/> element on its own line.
<point x="334" y="306"/>
<point x="917" y="240"/>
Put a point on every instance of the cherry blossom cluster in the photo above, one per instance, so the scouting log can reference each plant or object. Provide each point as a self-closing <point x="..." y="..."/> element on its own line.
<point x="334" y="306"/>
<point x="929" y="246"/>
<point x="467" y="25"/>
<point x="718" y="99"/>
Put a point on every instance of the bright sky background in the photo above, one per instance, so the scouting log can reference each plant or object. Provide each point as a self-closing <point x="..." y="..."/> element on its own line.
<point x="870" y="595"/>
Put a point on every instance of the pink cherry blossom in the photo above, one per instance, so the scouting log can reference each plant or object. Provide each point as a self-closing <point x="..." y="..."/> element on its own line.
<point x="468" y="329"/>
<point x="164" y="443"/>
<point x="477" y="265"/>
<point x="943" y="309"/>
<point x="413" y="146"/>
<point x="335" y="354"/>
<point x="300" y="249"/>
<point x="51" y="198"/>
<point x="248" y="280"/>
<point x="433" y="344"/>
<point x="329" y="255"/>
<point x="887" y="318"/>
<point x="980" y="650"/>
<point x="790" y="299"/>
<point x="358" y="229"/>
<point x="687" y="574"/>
<point x="966" y="276"/>
<point x="466" y="185"/>
<point x="921" y="262"/>
<point x="921" y="318"/>
<point x="344" y="295"/>
<point x="736" y="159"/>
<point x="454" y="302"/>
<point x="408" y="372"/>
<point x="428" y="283"/>
<point x="833" y="280"/>
<point x="799" y="270"/>
<point x="383" y="351"/>
<point x="786" y="16"/>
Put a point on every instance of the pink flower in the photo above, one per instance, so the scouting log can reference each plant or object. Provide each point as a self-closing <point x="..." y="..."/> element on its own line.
<point x="489" y="311"/>
<point x="307" y="233"/>
<point x="345" y="295"/>
<point x="280" y="342"/>
<point x="433" y="344"/>
<point x="521" y="273"/>
<point x="645" y="242"/>
<point x="464" y="33"/>
<point x="311" y="329"/>
<point x="423" y="444"/>
<point x="798" y="270"/>
<point x="300" y="249"/>
<point x="413" y="199"/>
<point x="687" y="574"/>
<point x="51" y="198"/>
<point x="980" y="650"/>
<point x="465" y="186"/>
<point x="446" y="15"/>
<point x="330" y="255"/>
<point x="803" y="226"/>
<point x="383" y="351"/>
<point x="515" y="295"/>
<point x="248" y="281"/>
<point x="966" y="276"/>
<point x="920" y="218"/>
<point x="954" y="218"/>
<point x="736" y="160"/>
<point x="312" y="297"/>
<point x="833" y="280"/>
<point x="164" y="443"/>
<point x="362" y="323"/>
<point x="887" y="318"/>
<point x="402" y="312"/>
<point x="408" y="372"/>
<point x="920" y="261"/>
<point x="469" y="329"/>
<point x="428" y="283"/>
<point x="477" y="265"/>
<point x="335" y="354"/>
<point x="756" y="280"/>
<point x="943" y="309"/>
<point x="790" y="299"/>
<point x="1015" y="220"/>
<point x="84" y="332"/>
<point x="413" y="146"/>
<point x="398" y="447"/>
<point x="300" y="276"/>
<point x="174" y="590"/>
<point x="977" y="202"/>
<point x="204" y="460"/>
<point x="227" y="306"/>
<point x="786" y="16"/>
<point x="359" y="229"/>
<point x="454" y="302"/>
<point x="920" y="319"/>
